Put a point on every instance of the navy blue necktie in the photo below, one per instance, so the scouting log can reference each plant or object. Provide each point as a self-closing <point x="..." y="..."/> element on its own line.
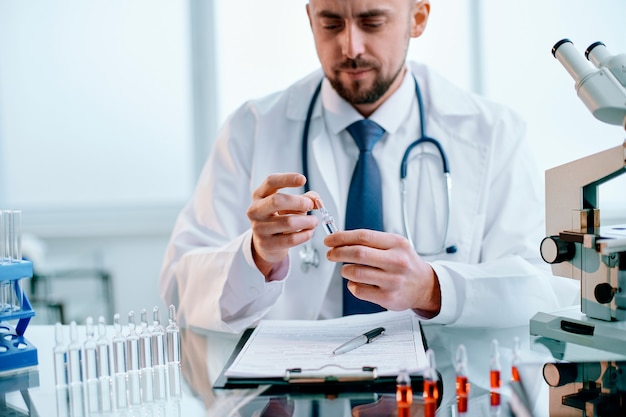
<point x="365" y="204"/>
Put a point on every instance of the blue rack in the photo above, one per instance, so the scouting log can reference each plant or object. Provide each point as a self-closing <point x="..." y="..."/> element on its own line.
<point x="15" y="351"/>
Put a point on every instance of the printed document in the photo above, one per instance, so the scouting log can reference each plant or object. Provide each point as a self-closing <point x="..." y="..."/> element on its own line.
<point x="278" y="345"/>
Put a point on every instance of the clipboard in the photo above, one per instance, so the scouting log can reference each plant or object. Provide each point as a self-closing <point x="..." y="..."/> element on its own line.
<point x="302" y="381"/>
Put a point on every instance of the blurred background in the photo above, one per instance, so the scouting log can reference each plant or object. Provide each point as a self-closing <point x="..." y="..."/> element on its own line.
<point x="108" y="110"/>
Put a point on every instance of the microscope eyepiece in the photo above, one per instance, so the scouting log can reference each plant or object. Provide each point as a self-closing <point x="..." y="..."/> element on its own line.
<point x="590" y="48"/>
<point x="558" y="44"/>
<point x="599" y="80"/>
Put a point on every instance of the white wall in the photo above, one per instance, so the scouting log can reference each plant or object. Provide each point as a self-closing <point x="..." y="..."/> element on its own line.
<point x="96" y="135"/>
<point x="258" y="56"/>
<point x="521" y="72"/>
<point x="95" y="103"/>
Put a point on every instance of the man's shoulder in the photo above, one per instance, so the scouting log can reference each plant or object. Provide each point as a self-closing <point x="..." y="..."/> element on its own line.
<point x="447" y="99"/>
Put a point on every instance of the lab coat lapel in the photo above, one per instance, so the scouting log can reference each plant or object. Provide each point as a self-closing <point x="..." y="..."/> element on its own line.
<point x="325" y="163"/>
<point x="322" y="168"/>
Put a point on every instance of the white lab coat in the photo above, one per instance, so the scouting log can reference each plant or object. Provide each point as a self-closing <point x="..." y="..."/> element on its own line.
<point x="496" y="222"/>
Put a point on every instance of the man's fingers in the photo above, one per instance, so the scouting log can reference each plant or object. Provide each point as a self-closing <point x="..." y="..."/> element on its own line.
<point x="279" y="203"/>
<point x="364" y="237"/>
<point x="275" y="182"/>
<point x="285" y="224"/>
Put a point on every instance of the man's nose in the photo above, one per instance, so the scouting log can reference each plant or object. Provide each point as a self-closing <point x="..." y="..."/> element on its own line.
<point x="352" y="41"/>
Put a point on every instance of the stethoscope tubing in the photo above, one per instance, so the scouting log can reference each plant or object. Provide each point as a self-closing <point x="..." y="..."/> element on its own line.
<point x="403" y="169"/>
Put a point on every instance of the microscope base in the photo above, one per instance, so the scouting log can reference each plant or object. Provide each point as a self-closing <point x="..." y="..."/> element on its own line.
<point x="573" y="326"/>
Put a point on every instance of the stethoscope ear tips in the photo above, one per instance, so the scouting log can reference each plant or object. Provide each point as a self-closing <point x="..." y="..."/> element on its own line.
<point x="451" y="249"/>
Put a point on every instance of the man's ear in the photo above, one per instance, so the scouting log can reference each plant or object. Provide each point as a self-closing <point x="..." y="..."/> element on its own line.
<point x="308" y="13"/>
<point x="421" y="11"/>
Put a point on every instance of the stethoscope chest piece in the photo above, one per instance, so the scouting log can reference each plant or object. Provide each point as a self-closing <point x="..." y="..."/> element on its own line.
<point x="309" y="257"/>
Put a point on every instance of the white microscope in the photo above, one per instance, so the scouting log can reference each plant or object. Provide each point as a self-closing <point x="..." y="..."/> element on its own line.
<point x="576" y="245"/>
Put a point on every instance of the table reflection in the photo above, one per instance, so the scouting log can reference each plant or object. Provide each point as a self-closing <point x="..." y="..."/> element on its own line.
<point x="551" y="385"/>
<point x="201" y="370"/>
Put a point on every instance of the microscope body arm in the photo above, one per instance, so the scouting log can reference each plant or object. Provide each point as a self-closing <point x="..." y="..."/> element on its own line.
<point x="573" y="219"/>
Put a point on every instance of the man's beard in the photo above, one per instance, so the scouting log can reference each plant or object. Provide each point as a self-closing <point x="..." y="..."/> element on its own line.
<point x="357" y="95"/>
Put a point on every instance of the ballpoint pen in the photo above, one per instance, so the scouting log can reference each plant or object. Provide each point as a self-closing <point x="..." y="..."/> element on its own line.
<point x="361" y="340"/>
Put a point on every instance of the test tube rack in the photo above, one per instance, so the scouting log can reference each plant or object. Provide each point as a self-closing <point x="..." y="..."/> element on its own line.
<point x="15" y="351"/>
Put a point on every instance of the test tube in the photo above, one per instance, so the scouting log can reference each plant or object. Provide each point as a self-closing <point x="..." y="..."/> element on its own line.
<point x="431" y="390"/>
<point x="15" y="236"/>
<point x="494" y="373"/>
<point x="145" y="360"/>
<point x="462" y="383"/>
<point x="328" y="222"/>
<point x="10" y="252"/>
<point x="404" y="393"/>
<point x="91" y="367"/>
<point x="119" y="363"/>
<point x="5" y="286"/>
<point x="5" y="225"/>
<point x="515" y="375"/>
<point x="3" y="238"/>
<point x="104" y="367"/>
<point x="6" y="297"/>
<point x="77" y="404"/>
<point x="10" y="296"/>
<point x="11" y="236"/>
<point x="158" y="357"/>
<point x="173" y="355"/>
<point x="132" y="362"/>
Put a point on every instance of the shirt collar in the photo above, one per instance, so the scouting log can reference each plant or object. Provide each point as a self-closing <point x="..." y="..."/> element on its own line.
<point x="340" y="114"/>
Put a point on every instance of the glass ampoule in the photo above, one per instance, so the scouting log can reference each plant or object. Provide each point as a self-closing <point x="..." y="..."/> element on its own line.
<point x="119" y="363"/>
<point x="431" y="389"/>
<point x="60" y="371"/>
<point x="132" y="362"/>
<point x="90" y="367"/>
<point x="145" y="359"/>
<point x="515" y="375"/>
<point x="495" y="380"/>
<point x="328" y="221"/>
<point x="60" y="357"/>
<point x="404" y="393"/>
<point x="158" y="357"/>
<point x="75" y="374"/>
<point x="173" y="355"/>
<point x="105" y="382"/>
<point x="74" y="356"/>
<point x="462" y="383"/>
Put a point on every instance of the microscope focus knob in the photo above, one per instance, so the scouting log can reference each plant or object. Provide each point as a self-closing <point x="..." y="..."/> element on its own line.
<point x="554" y="250"/>
<point x="604" y="293"/>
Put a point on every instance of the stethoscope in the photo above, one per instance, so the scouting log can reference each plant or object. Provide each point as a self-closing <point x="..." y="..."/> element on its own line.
<point x="309" y="255"/>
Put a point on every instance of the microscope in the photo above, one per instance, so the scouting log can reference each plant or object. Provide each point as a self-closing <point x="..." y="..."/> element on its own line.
<point x="577" y="246"/>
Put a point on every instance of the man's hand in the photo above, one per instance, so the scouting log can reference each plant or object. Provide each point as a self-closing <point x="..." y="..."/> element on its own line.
<point x="279" y="220"/>
<point x="383" y="268"/>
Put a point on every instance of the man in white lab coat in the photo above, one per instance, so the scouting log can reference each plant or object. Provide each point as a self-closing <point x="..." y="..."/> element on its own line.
<point x="235" y="255"/>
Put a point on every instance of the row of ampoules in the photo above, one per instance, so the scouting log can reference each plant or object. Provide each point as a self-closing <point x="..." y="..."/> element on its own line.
<point x="138" y="365"/>
<point x="430" y="391"/>
<point x="495" y="377"/>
